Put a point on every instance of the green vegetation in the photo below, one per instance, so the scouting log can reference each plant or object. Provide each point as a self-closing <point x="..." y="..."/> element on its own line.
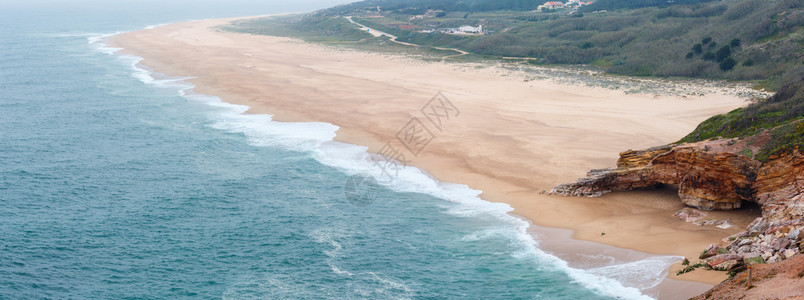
<point x="757" y="40"/>
<point x="780" y="116"/>
<point x="727" y="64"/>
<point x="421" y="6"/>
<point x="732" y="39"/>
<point x="632" y="4"/>
<point x="736" y="271"/>
<point x="754" y="260"/>
<point x="691" y="268"/>
<point x="315" y="29"/>
<point x="417" y="7"/>
<point x="331" y="31"/>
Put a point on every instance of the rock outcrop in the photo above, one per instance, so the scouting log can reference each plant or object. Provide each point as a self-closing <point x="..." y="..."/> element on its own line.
<point x="713" y="175"/>
<point x="706" y="179"/>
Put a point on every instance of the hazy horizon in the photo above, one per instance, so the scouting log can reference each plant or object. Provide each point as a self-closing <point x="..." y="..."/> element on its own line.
<point x="126" y="10"/>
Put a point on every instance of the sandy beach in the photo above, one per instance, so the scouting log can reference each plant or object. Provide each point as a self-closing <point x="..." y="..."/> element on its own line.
<point x="510" y="138"/>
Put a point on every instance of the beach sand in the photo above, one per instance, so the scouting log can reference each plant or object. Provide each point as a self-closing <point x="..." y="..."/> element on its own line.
<point x="512" y="139"/>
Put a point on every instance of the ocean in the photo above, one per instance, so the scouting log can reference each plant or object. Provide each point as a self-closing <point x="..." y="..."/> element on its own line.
<point x="119" y="182"/>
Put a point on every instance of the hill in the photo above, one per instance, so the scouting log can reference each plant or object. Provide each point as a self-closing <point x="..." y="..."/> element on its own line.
<point x="731" y="39"/>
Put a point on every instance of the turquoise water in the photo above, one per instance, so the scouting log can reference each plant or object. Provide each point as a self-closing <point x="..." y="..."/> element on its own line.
<point x="119" y="183"/>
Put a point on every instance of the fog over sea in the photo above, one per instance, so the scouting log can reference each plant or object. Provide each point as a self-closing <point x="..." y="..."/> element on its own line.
<point x="118" y="182"/>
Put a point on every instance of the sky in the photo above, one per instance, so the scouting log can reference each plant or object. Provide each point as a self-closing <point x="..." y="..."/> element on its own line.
<point x="227" y="6"/>
<point x="136" y="11"/>
<point x="305" y="5"/>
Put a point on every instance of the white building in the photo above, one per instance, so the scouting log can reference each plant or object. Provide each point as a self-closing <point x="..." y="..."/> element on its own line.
<point x="553" y="5"/>
<point x="471" y="29"/>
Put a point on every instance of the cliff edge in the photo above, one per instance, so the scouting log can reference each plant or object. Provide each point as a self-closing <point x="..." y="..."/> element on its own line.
<point x="712" y="175"/>
<point x="753" y="154"/>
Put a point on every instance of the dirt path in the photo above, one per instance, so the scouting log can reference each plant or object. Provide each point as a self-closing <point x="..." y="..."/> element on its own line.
<point x="393" y="38"/>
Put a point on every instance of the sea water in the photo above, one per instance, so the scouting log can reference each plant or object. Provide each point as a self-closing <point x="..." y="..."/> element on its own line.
<point x="118" y="182"/>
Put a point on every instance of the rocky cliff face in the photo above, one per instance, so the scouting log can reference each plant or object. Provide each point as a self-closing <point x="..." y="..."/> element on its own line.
<point x="716" y="175"/>
<point x="706" y="179"/>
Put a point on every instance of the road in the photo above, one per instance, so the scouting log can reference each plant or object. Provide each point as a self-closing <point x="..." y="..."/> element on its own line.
<point x="393" y="38"/>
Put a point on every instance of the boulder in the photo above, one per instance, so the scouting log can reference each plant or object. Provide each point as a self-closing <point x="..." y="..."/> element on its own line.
<point x="690" y="215"/>
<point x="710" y="251"/>
<point x="795" y="234"/>
<point x="728" y="265"/>
<point x="780" y="243"/>
<point x="724" y="261"/>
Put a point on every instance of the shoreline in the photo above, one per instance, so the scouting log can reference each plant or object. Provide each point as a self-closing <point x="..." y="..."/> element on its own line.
<point x="438" y="159"/>
<point x="596" y="256"/>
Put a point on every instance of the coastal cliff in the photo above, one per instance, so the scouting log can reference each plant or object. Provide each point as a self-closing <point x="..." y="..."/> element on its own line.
<point x="710" y="180"/>
<point x="710" y="176"/>
<point x="750" y="155"/>
<point x="715" y="175"/>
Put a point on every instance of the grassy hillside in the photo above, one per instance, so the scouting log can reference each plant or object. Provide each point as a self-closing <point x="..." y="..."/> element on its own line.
<point x="730" y="39"/>
<point x="632" y="4"/>
<point x="781" y="116"/>
<point x="421" y="6"/>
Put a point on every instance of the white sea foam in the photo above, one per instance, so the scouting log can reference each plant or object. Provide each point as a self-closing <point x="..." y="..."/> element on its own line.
<point x="391" y="288"/>
<point x="99" y="42"/>
<point x="642" y="274"/>
<point x="326" y="237"/>
<point x="621" y="281"/>
<point x="155" y="26"/>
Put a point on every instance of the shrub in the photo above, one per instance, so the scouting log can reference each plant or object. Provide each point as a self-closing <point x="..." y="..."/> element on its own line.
<point x="727" y="64"/>
<point x="691" y="268"/>
<point x="723" y="53"/>
<point x="735" y="43"/>
<point x="754" y="260"/>
<point x="697" y="48"/>
<point x="689" y="55"/>
<point x="709" y="56"/>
